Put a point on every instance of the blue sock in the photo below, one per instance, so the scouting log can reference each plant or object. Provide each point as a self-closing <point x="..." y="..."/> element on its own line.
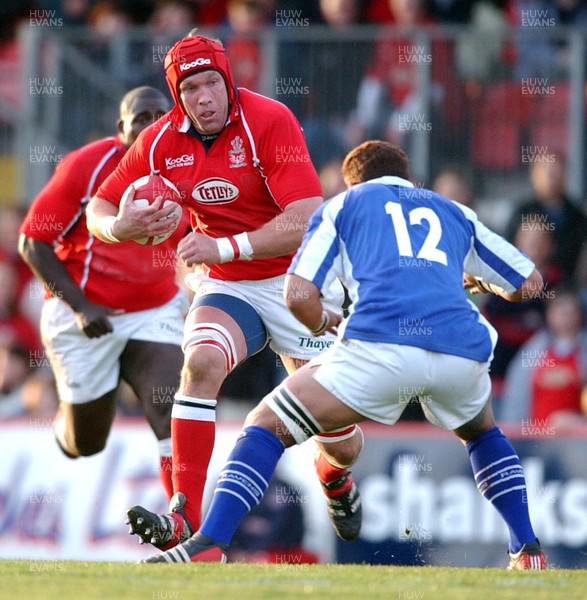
<point x="500" y="478"/>
<point x="242" y="482"/>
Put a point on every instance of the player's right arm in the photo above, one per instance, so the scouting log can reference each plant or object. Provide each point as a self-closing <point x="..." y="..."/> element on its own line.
<point x="303" y="298"/>
<point x="314" y="268"/>
<point x="112" y="216"/>
<point x="111" y="223"/>
<point x="40" y="256"/>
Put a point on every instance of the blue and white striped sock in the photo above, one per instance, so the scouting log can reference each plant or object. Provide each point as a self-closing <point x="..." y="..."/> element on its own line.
<point x="500" y="478"/>
<point x="242" y="482"/>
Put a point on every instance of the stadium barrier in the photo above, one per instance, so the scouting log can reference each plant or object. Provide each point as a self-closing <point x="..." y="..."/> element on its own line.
<point x="420" y="502"/>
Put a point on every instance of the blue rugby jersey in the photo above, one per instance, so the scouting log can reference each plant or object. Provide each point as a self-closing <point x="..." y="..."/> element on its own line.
<point x="401" y="252"/>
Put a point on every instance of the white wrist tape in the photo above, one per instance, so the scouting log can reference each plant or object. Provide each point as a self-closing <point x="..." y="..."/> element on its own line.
<point x="225" y="249"/>
<point x="106" y="225"/>
<point x="235" y="247"/>
<point x="244" y="246"/>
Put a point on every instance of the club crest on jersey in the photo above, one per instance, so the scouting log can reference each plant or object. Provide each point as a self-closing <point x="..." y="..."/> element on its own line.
<point x="237" y="155"/>
<point x="215" y="191"/>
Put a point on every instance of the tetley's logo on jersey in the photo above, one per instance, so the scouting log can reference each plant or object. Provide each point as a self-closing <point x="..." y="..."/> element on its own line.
<point x="185" y="160"/>
<point x="199" y="62"/>
<point x="215" y="191"/>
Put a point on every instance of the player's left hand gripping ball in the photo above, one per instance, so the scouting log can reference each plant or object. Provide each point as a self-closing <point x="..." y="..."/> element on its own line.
<point x="147" y="189"/>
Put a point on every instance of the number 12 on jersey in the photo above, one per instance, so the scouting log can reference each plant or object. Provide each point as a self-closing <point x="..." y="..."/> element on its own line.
<point x="429" y="249"/>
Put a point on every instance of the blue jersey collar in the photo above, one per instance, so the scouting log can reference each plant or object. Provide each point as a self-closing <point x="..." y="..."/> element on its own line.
<point x="392" y="180"/>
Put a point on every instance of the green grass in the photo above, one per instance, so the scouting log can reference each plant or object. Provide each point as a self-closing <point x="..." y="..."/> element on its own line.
<point x="63" y="580"/>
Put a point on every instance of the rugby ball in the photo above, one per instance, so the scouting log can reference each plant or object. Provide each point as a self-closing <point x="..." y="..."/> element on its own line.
<point x="147" y="189"/>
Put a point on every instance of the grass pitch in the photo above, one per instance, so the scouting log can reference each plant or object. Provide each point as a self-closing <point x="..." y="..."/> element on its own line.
<point x="65" y="580"/>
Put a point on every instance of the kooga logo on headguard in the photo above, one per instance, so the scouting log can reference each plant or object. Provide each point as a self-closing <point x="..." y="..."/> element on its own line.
<point x="199" y="62"/>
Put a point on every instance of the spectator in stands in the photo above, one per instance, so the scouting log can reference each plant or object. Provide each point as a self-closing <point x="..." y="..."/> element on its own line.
<point x="544" y="56"/>
<point x="546" y="380"/>
<point x="390" y="103"/>
<point x="445" y="11"/>
<point x="458" y="11"/>
<point x="107" y="18"/>
<point x="482" y="51"/>
<point x="73" y="12"/>
<point x="451" y="182"/>
<point x="209" y="12"/>
<point x="550" y="207"/>
<point x="171" y="18"/>
<point x="572" y="12"/>
<point x="378" y="11"/>
<point x="516" y="324"/>
<point x="246" y="19"/>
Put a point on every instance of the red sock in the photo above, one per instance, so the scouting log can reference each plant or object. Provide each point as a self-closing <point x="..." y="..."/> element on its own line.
<point x="193" y="442"/>
<point x="327" y="473"/>
<point x="165" y="471"/>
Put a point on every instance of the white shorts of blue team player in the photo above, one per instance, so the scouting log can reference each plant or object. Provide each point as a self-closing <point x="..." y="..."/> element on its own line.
<point x="86" y="369"/>
<point x="378" y="380"/>
<point x="260" y="310"/>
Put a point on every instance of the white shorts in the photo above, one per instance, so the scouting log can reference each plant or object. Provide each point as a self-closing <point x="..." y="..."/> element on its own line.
<point x="378" y="380"/>
<point x="85" y="369"/>
<point x="287" y="336"/>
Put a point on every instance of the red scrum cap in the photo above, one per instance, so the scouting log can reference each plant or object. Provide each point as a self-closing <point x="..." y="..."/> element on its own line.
<point x="197" y="53"/>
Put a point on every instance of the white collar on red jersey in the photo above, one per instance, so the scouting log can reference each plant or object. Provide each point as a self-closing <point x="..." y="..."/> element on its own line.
<point x="186" y="123"/>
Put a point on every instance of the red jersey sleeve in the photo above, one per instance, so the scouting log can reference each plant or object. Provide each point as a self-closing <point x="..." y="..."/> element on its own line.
<point x="134" y="164"/>
<point x="282" y="150"/>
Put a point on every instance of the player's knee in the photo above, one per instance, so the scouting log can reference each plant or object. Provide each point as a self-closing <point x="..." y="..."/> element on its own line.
<point x="75" y="443"/>
<point x="210" y="354"/>
<point x="262" y="416"/>
<point x="160" y="423"/>
<point x="88" y="446"/>
<point x="479" y="424"/>
<point x="343" y="453"/>
<point x="204" y="364"/>
<point x="68" y="452"/>
<point x="342" y="447"/>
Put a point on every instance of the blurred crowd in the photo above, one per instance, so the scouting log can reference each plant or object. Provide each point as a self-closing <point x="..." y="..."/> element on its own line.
<point x="109" y="15"/>
<point x="540" y="365"/>
<point x="345" y="93"/>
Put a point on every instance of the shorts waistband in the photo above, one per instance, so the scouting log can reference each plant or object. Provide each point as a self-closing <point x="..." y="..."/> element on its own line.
<point x="276" y="281"/>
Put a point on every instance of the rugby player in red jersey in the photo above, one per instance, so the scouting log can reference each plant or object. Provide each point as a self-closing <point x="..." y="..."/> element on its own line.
<point x="242" y="166"/>
<point x="110" y="312"/>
